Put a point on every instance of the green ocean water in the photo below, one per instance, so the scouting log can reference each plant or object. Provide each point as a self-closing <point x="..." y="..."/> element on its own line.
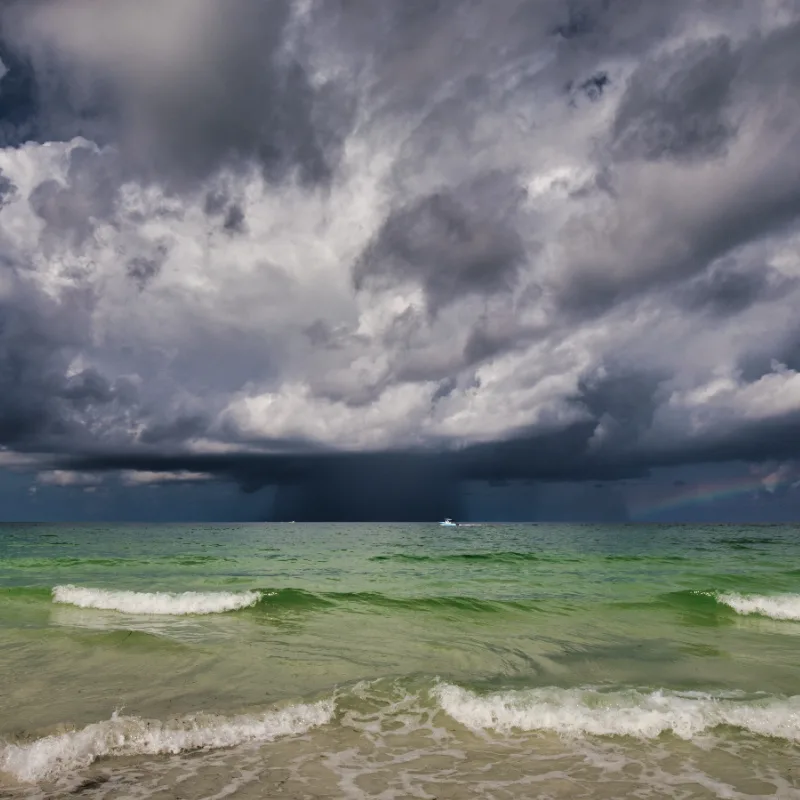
<point x="400" y="660"/>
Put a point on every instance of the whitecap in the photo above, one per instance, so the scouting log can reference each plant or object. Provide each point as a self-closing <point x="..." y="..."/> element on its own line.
<point x="167" y="603"/>
<point x="587" y="711"/>
<point x="776" y="606"/>
<point x="127" y="736"/>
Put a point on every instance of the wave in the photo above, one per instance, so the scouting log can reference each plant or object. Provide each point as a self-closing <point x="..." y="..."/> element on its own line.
<point x="574" y="713"/>
<point x="170" y="603"/>
<point x="646" y="715"/>
<point x="704" y="607"/>
<point x="128" y="736"/>
<point x="167" y="603"/>
<point x="777" y="606"/>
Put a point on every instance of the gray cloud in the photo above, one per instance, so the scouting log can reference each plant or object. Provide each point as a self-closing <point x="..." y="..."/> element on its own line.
<point x="623" y="403"/>
<point x="527" y="240"/>
<point x="452" y="243"/>
<point x="181" y="88"/>
<point x="593" y="87"/>
<point x="71" y="210"/>
<point x="710" y="124"/>
<point x="678" y="106"/>
<point x="728" y="288"/>
<point x="142" y="269"/>
<point x="218" y="203"/>
<point x="234" y="219"/>
<point x="36" y="335"/>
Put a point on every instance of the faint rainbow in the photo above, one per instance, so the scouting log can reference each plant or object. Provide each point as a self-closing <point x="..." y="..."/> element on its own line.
<point x="697" y="494"/>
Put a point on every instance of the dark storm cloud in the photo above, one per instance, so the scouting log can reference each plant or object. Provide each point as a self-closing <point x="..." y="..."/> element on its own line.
<point x="18" y="98"/>
<point x="678" y="106"/>
<point x="729" y="288"/>
<point x="451" y="243"/>
<point x="681" y="112"/>
<point x="408" y="486"/>
<point x="220" y="89"/>
<point x="622" y="403"/>
<point x="176" y="430"/>
<point x="87" y="388"/>
<point x="38" y="397"/>
<point x="564" y="455"/>
<point x="759" y="361"/>
<point x="596" y="200"/>
<point x="371" y="489"/>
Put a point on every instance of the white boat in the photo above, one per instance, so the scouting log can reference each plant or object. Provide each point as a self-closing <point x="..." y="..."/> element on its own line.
<point x="448" y="523"/>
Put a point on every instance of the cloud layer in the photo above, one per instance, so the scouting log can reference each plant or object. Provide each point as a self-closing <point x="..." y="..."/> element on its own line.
<point x="540" y="239"/>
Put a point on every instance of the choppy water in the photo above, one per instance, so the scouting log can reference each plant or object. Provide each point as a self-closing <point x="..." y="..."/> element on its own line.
<point x="394" y="661"/>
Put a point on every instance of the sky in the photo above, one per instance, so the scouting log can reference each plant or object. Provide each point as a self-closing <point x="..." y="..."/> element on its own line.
<point x="400" y="259"/>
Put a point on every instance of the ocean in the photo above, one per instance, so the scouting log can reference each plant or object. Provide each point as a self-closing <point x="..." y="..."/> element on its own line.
<point x="399" y="661"/>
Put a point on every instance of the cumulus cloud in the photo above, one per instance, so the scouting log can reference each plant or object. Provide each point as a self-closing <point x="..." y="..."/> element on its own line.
<point x="537" y="239"/>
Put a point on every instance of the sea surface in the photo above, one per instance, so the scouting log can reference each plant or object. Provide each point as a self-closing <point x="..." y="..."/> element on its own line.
<point x="400" y="661"/>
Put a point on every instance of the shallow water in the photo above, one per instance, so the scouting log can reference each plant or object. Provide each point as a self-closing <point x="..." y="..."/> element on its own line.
<point x="398" y="661"/>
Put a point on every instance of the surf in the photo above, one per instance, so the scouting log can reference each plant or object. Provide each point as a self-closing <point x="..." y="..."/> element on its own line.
<point x="156" y="603"/>
<point x="635" y="713"/>
<point x="132" y="736"/>
<point x="286" y="599"/>
<point x="778" y="606"/>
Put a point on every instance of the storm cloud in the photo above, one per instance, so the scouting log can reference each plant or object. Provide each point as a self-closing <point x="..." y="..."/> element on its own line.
<point x="451" y="243"/>
<point x="382" y="248"/>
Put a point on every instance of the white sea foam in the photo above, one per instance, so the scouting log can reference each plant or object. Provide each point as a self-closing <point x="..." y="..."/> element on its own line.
<point x="576" y="712"/>
<point x="127" y="736"/>
<point x="154" y="602"/>
<point x="776" y="606"/>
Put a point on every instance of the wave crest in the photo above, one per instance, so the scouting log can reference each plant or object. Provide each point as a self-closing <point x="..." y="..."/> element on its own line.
<point x="127" y="736"/>
<point x="166" y="603"/>
<point x="778" y="606"/>
<point x="575" y="712"/>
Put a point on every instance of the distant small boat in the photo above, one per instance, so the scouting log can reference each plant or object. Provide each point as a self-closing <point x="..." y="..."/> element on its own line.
<point x="448" y="523"/>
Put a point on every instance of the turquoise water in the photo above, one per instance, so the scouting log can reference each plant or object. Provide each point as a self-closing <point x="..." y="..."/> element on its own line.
<point x="400" y="660"/>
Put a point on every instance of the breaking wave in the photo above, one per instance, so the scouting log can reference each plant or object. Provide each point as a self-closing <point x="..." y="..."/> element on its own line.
<point x="378" y="706"/>
<point x="711" y="603"/>
<point x="167" y="603"/>
<point x="576" y="712"/>
<point x="171" y="603"/>
<point x="127" y="736"/>
<point x="778" y="606"/>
